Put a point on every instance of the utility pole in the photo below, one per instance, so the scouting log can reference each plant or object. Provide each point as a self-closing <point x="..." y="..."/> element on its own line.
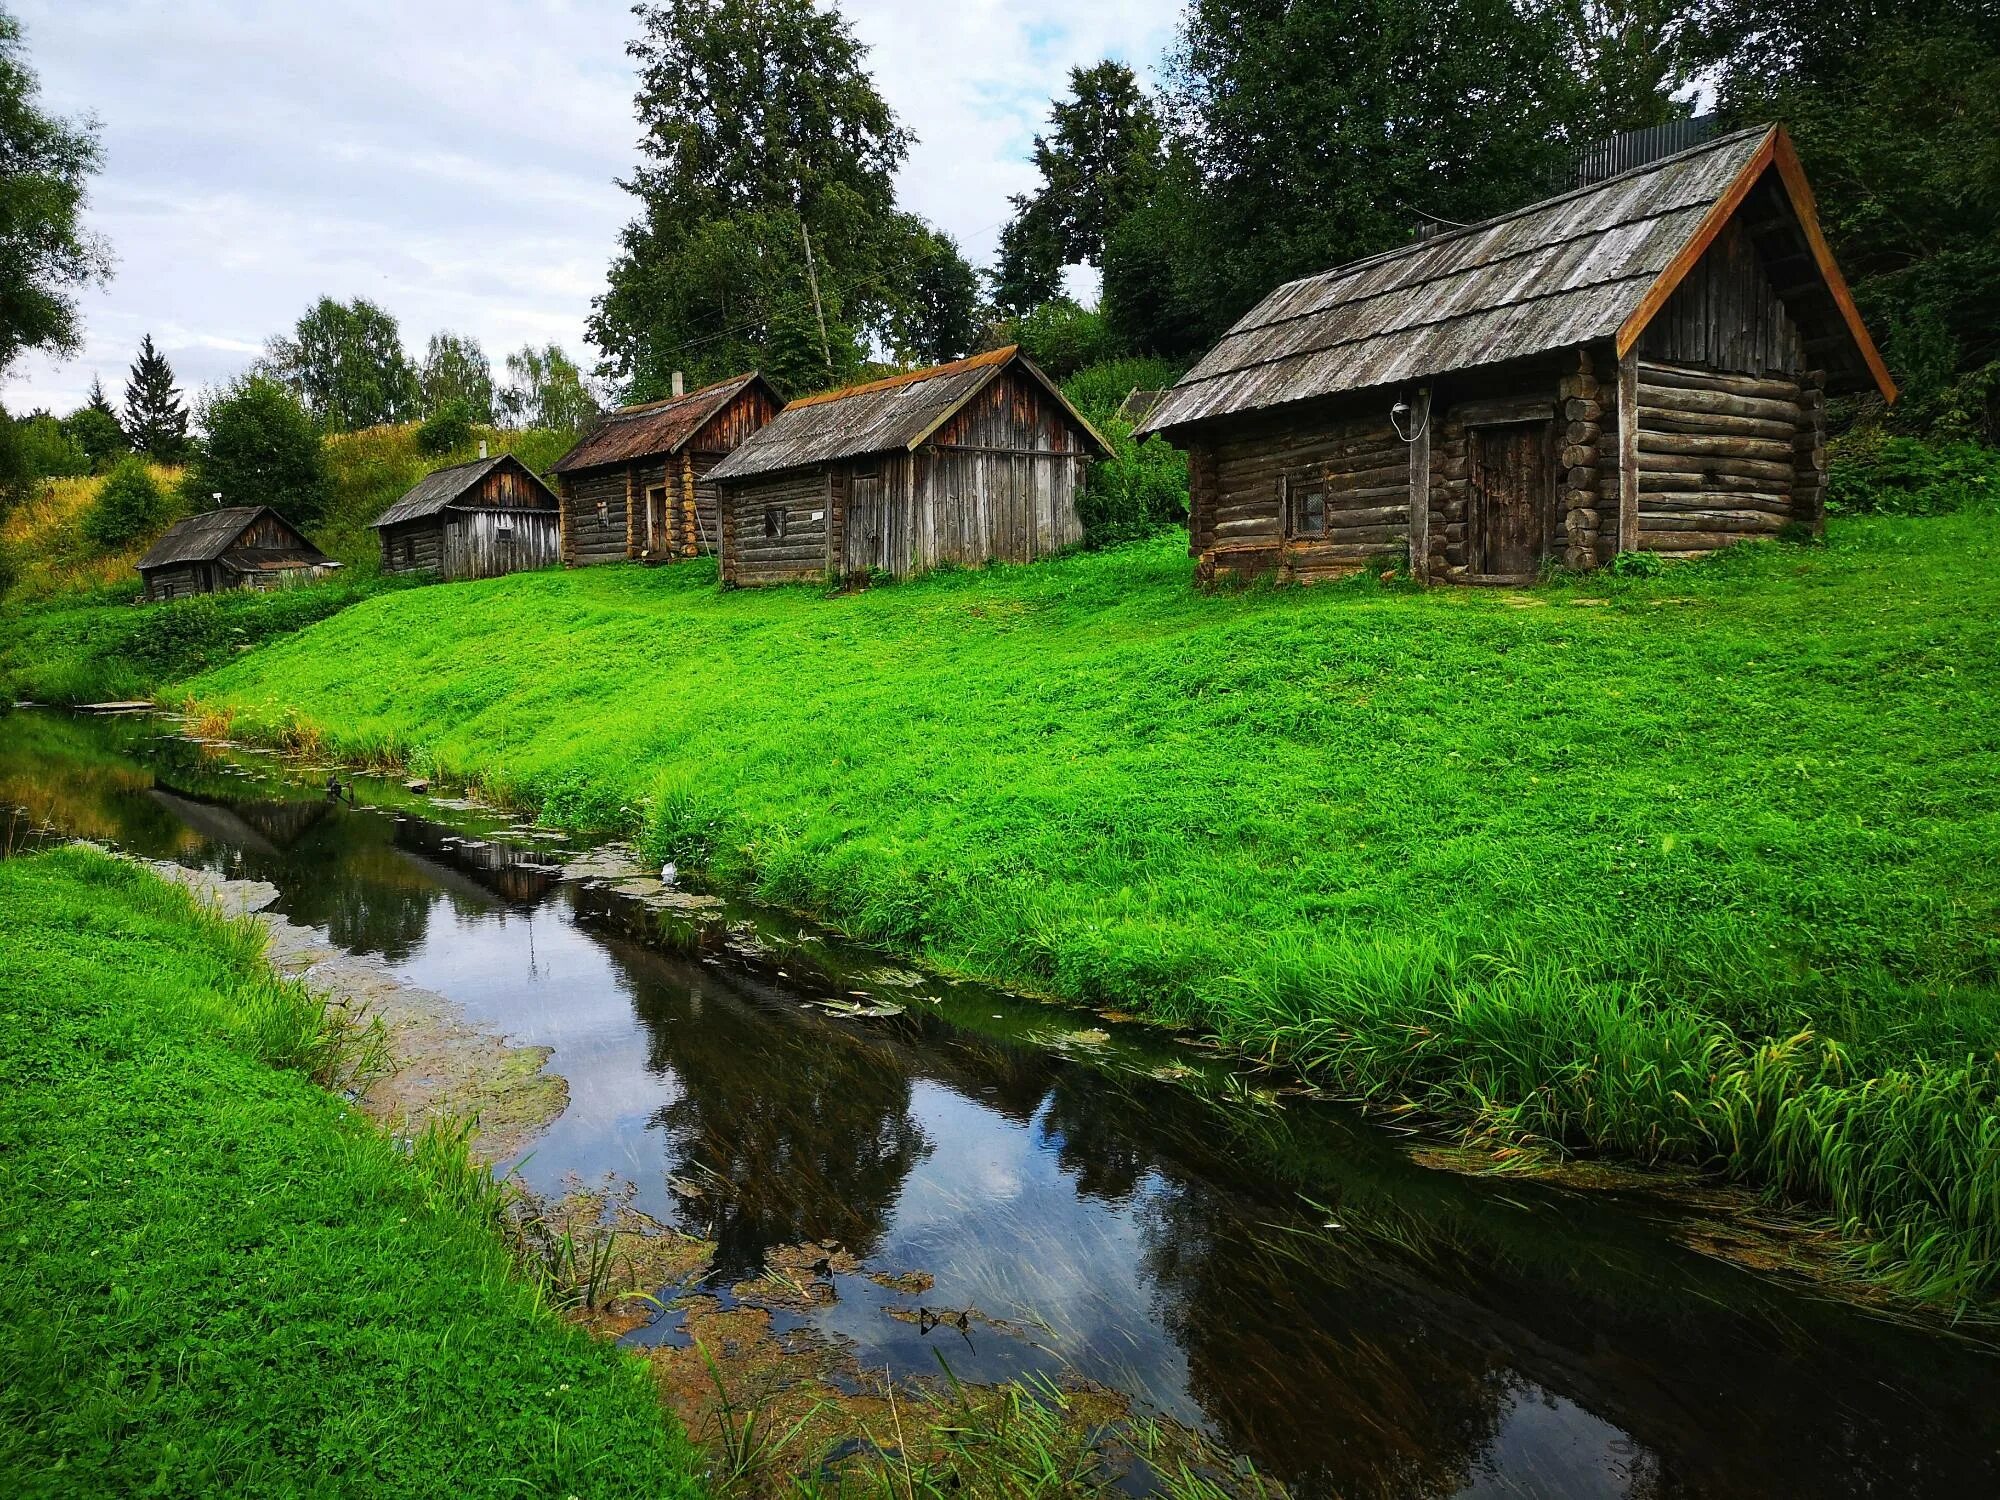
<point x="812" y="277"/>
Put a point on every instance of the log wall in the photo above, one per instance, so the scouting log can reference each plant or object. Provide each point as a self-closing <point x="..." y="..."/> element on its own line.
<point x="1720" y="456"/>
<point x="593" y="517"/>
<point x="414" y="547"/>
<point x="777" y="528"/>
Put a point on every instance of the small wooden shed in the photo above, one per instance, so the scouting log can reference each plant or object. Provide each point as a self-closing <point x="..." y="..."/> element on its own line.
<point x="1640" y="364"/>
<point x="637" y="486"/>
<point x="233" y="547"/>
<point x="474" y="520"/>
<point x="968" y="462"/>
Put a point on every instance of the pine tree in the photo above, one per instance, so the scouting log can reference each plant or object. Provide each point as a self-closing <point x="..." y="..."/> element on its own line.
<point x="156" y="422"/>
<point x="98" y="401"/>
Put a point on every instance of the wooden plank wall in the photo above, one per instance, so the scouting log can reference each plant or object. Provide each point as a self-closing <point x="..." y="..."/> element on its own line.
<point x="998" y="481"/>
<point x="754" y="558"/>
<point x="509" y="487"/>
<point x="473" y="546"/>
<point x="1726" y="315"/>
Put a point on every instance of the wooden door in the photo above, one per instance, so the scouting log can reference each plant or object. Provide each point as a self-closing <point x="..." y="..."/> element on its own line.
<point x="1513" y="493"/>
<point x="867" y="524"/>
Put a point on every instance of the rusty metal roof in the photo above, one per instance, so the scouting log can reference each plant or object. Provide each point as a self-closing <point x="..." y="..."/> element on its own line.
<point x="656" y="429"/>
<point x="1564" y="271"/>
<point x="879" y="416"/>
<point x="442" y="488"/>
<point x="205" y="537"/>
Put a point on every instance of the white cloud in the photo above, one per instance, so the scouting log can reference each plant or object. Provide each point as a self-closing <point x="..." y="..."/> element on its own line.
<point x="456" y="160"/>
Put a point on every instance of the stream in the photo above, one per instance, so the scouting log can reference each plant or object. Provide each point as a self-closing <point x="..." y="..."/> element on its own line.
<point x="1122" y="1210"/>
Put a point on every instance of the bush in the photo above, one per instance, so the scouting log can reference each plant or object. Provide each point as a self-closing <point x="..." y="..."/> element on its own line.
<point x="128" y="507"/>
<point x="1142" y="487"/>
<point x="1062" y="338"/>
<point x="446" y="430"/>
<point x="98" y="434"/>
<point x="48" y="450"/>
<point x="1099" y="390"/>
<point x="1874" y="472"/>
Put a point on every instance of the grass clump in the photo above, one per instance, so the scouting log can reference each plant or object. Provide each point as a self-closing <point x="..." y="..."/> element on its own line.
<point x="222" y="1280"/>
<point x="1697" y="867"/>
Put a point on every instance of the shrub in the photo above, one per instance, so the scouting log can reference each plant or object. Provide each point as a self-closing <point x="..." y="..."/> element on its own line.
<point x="129" y="506"/>
<point x="446" y="430"/>
<point x="1099" y="390"/>
<point x="1062" y="338"/>
<point x="1874" y="472"/>
<point x="48" y="450"/>
<point x="1142" y="487"/>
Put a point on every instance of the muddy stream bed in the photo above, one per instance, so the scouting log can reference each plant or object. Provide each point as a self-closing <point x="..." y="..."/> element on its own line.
<point x="834" y="1172"/>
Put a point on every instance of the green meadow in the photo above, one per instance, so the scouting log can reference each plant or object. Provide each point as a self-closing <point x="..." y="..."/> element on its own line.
<point x="222" y="1281"/>
<point x="1698" y="868"/>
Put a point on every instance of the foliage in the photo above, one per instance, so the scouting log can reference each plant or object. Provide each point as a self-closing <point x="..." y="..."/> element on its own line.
<point x="1872" y="471"/>
<point x="44" y="534"/>
<point x="156" y="419"/>
<point x="1896" y="111"/>
<point x="94" y="427"/>
<point x="456" y="372"/>
<point x="261" y="449"/>
<point x="940" y="316"/>
<point x="1098" y="390"/>
<point x="545" y="389"/>
<point x="1633" y="59"/>
<point x="256" y="1289"/>
<point x="1097" y="165"/>
<point x="1062" y="337"/>
<point x="46" y="255"/>
<point x="1144" y="485"/>
<point x="130" y="506"/>
<point x="767" y="170"/>
<point x="48" y="450"/>
<point x="1173" y="801"/>
<point x="446" y="429"/>
<point x="345" y="363"/>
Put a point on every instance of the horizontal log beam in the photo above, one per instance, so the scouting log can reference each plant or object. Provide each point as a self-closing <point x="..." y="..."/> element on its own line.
<point x="1681" y="377"/>
<point x="1664" y="419"/>
<point x="1719" y="403"/>
<point x="1737" y="468"/>
<point x="1704" y="445"/>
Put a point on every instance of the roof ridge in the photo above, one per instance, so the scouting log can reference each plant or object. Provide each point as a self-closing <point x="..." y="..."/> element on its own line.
<point x="645" y="408"/>
<point x="1398" y="251"/>
<point x="909" y="377"/>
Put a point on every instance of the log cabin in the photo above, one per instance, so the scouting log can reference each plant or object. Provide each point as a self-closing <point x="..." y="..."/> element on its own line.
<point x="473" y="520"/>
<point x="232" y="547"/>
<point x="1640" y="364"/>
<point x="637" y="486"/>
<point x="970" y="462"/>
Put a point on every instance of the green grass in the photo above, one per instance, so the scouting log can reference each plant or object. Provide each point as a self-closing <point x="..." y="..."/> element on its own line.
<point x="1698" y="868"/>
<point x="219" y="1279"/>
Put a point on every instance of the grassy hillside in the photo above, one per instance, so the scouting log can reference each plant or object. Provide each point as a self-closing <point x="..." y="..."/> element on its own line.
<point x="220" y="1280"/>
<point x="43" y="538"/>
<point x="1697" y="868"/>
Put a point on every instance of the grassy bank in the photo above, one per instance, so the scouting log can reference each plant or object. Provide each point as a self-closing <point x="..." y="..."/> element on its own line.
<point x="221" y="1280"/>
<point x="1695" y="868"/>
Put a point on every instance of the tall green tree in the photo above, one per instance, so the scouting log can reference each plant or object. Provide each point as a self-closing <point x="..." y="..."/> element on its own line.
<point x="456" y="372"/>
<point x="156" y="419"/>
<point x="1896" y="112"/>
<point x="939" y="314"/>
<point x="94" y="427"/>
<point x="345" y="362"/>
<point x="1098" y="162"/>
<point x="546" y="389"/>
<point x="1634" y="59"/>
<point x="46" y="255"/>
<point x="767" y="162"/>
<point x="261" y="448"/>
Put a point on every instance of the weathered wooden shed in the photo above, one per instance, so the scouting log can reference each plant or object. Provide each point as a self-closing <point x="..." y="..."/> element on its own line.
<point x="1640" y="364"/>
<point x="638" y="486"/>
<point x="233" y="547"/>
<point x="474" y="520"/>
<point x="968" y="462"/>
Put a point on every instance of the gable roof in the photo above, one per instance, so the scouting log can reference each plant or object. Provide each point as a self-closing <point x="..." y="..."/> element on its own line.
<point x="656" y="428"/>
<point x="881" y="416"/>
<point x="442" y="488"/>
<point x="205" y="537"/>
<point x="1594" y="263"/>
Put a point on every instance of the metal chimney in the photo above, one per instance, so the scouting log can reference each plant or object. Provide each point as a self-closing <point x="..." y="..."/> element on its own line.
<point x="680" y="384"/>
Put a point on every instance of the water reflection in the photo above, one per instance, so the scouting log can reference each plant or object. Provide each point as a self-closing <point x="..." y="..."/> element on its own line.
<point x="1451" y="1337"/>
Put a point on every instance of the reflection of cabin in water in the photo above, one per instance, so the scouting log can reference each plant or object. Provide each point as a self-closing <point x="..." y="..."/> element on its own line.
<point x="233" y="547"/>
<point x="637" y="485"/>
<point x="976" y="461"/>
<point x="473" y="520"/>
<point x="1640" y="364"/>
<point x="263" y="827"/>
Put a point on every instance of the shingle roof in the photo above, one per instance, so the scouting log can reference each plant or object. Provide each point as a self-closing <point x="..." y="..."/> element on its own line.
<point x="205" y="537"/>
<point x="879" y="416"/>
<point x="442" y="488"/>
<point x="1564" y="271"/>
<point x="655" y="429"/>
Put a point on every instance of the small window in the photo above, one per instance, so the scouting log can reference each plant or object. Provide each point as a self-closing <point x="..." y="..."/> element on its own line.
<point x="1305" y="509"/>
<point x="503" y="533"/>
<point x="774" y="521"/>
<point x="604" y="513"/>
<point x="409" y="546"/>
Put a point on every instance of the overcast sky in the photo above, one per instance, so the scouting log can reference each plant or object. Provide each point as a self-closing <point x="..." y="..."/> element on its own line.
<point x="454" y="160"/>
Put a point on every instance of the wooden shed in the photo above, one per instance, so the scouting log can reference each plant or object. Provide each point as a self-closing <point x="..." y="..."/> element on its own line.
<point x="968" y="462"/>
<point x="1640" y="364"/>
<point x="637" y="486"/>
<point x="476" y="520"/>
<point x="233" y="547"/>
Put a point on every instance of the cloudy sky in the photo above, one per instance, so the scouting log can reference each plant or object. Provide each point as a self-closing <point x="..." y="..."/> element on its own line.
<point x="454" y="160"/>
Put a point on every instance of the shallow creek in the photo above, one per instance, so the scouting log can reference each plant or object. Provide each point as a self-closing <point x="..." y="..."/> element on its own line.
<point x="854" y="1154"/>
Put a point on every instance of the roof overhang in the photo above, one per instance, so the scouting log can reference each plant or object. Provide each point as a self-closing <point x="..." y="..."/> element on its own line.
<point x="1775" y="154"/>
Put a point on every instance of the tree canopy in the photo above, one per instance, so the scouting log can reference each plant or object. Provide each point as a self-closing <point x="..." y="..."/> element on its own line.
<point x="156" y="419"/>
<point x="456" y="373"/>
<point x="546" y="389"/>
<point x="46" y="255"/>
<point x="261" y="448"/>
<point x="345" y="362"/>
